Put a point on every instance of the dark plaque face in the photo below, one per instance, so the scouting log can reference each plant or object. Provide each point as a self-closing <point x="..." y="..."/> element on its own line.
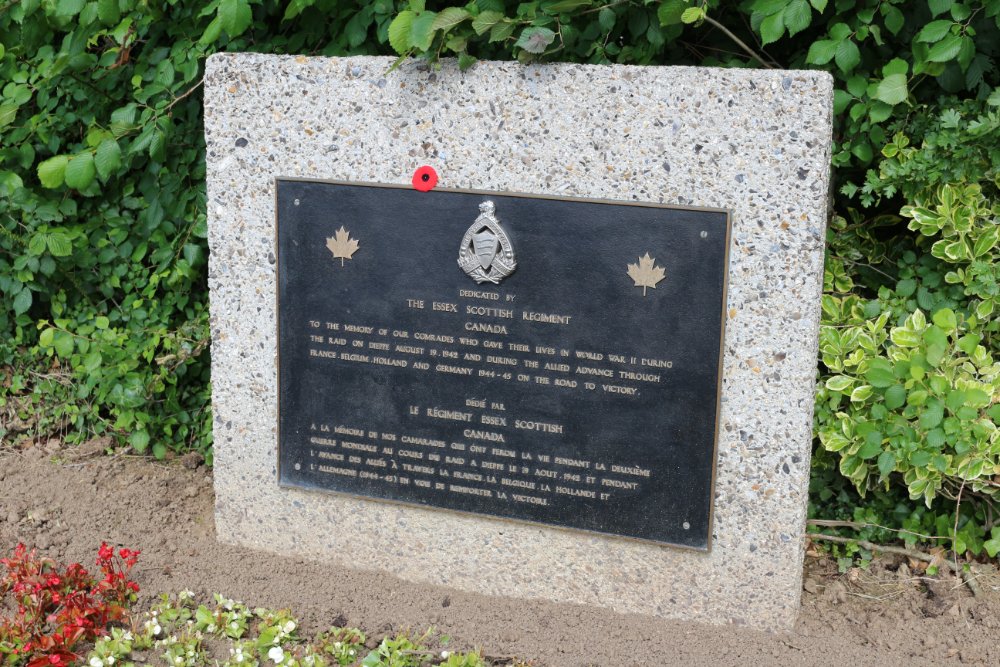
<point x="535" y="358"/>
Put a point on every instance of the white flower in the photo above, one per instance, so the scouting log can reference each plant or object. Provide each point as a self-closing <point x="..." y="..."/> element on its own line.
<point x="178" y="660"/>
<point x="337" y="645"/>
<point x="289" y="626"/>
<point x="157" y="630"/>
<point x="110" y="660"/>
<point x="444" y="655"/>
<point x="96" y="662"/>
<point x="351" y="652"/>
<point x="276" y="654"/>
<point x="128" y="635"/>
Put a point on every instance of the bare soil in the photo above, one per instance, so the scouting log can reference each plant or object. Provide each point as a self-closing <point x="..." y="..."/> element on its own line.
<point x="884" y="616"/>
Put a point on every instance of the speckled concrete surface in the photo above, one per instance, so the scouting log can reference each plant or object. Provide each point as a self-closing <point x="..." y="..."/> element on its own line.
<point x="755" y="142"/>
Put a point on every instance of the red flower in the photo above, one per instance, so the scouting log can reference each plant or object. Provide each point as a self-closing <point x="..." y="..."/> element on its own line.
<point x="424" y="179"/>
<point x="105" y="552"/>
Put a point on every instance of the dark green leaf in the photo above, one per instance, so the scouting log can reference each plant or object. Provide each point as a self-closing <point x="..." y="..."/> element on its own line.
<point x="841" y="98"/>
<point x="107" y="158"/>
<point x="879" y="112"/>
<point x="485" y="21"/>
<point x="932" y="415"/>
<point x="535" y="40"/>
<point x="108" y="12"/>
<point x="607" y="18"/>
<point x="670" y="12"/>
<point x="235" y="16"/>
<point x="450" y="17"/>
<point x="465" y="61"/>
<point x="847" y="56"/>
<point x="37" y="244"/>
<point x="422" y="30"/>
<point x="886" y="463"/>
<point x="869" y="449"/>
<point x="906" y="287"/>
<point x="880" y="373"/>
<point x="69" y="7"/>
<point x="798" y="15"/>
<point x="296" y="7"/>
<point x="559" y="6"/>
<point x="895" y="397"/>
<point x="939" y="6"/>
<point x="772" y="28"/>
<point x="63" y="344"/>
<point x="211" y="34"/>
<point x="894" y="20"/>
<point x="822" y="51"/>
<point x="139" y="440"/>
<point x="59" y="244"/>
<point x="768" y="7"/>
<point x="945" y="50"/>
<point x="502" y="31"/>
<point x="934" y="31"/>
<point x="22" y="302"/>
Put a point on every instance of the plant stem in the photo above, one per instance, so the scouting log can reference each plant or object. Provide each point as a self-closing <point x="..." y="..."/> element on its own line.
<point x="739" y="42"/>
<point x="184" y="94"/>
<point x="837" y="523"/>
<point x="967" y="577"/>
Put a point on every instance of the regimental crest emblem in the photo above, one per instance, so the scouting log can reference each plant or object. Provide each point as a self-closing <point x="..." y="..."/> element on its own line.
<point x="486" y="254"/>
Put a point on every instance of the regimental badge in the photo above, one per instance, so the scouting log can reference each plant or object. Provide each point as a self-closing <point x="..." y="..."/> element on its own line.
<point x="486" y="254"/>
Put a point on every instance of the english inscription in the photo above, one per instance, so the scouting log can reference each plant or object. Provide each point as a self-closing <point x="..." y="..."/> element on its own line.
<point x="581" y="391"/>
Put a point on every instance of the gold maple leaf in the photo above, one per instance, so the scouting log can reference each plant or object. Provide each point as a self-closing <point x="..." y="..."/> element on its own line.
<point x="342" y="245"/>
<point x="645" y="273"/>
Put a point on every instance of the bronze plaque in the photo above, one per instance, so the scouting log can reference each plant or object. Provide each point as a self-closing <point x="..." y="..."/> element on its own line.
<point x="534" y="358"/>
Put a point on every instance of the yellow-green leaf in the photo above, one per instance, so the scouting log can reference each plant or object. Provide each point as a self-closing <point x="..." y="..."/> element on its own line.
<point x="399" y="32"/>
<point x="80" y="171"/>
<point x="52" y="172"/>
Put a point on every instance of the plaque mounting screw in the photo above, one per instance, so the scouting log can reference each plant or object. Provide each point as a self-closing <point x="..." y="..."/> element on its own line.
<point x="704" y="235"/>
<point x="296" y="202"/>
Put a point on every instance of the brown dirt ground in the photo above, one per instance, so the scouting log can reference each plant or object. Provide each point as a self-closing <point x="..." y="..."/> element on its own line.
<point x="883" y="616"/>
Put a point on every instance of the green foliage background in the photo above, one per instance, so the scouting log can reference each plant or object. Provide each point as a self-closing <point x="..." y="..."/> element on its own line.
<point x="103" y="304"/>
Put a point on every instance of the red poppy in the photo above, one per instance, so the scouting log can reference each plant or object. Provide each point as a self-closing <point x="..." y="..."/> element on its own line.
<point x="424" y="179"/>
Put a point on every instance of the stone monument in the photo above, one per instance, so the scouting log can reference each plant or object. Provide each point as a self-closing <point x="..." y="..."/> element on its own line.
<point x="689" y="203"/>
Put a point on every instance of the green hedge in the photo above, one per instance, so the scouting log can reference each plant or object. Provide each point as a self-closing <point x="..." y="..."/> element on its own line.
<point x="103" y="318"/>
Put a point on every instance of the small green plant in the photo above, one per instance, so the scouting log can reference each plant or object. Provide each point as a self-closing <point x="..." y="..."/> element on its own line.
<point x="343" y="645"/>
<point x="242" y="654"/>
<point x="183" y="649"/>
<point x="228" y="618"/>
<point x="112" y="649"/>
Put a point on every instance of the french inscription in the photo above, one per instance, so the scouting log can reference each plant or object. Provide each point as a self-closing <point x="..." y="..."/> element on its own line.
<point x="563" y="395"/>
